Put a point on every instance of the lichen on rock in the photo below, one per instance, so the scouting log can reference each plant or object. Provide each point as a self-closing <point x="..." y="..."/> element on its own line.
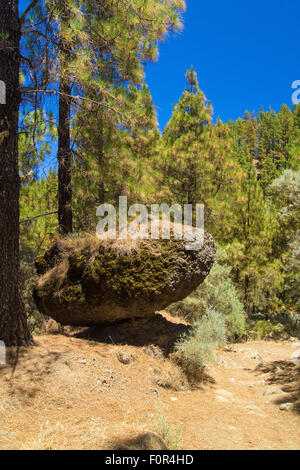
<point x="85" y="281"/>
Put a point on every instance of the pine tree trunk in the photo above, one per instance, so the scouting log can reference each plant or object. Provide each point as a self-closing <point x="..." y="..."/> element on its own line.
<point x="14" y="330"/>
<point x="64" y="157"/>
<point x="101" y="189"/>
<point x="65" y="216"/>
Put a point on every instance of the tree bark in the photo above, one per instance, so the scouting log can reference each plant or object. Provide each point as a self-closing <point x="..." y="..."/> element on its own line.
<point x="14" y="330"/>
<point x="101" y="189"/>
<point x="64" y="154"/>
<point x="65" y="215"/>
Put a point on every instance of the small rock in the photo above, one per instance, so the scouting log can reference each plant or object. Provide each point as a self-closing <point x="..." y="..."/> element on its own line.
<point x="229" y="349"/>
<point x="296" y="357"/>
<point x="252" y="408"/>
<point x="146" y="441"/>
<point x="224" y="393"/>
<point x="221" y="399"/>
<point x="252" y="354"/>
<point x="259" y="382"/>
<point x="273" y="390"/>
<point x="173" y="398"/>
<point x="286" y="406"/>
<point x="82" y="361"/>
<point x="125" y="357"/>
<point x="232" y="428"/>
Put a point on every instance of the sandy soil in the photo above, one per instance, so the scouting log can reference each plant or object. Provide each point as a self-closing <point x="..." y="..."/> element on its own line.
<point x="70" y="392"/>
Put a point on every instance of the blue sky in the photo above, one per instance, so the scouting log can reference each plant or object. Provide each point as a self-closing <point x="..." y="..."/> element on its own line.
<point x="246" y="54"/>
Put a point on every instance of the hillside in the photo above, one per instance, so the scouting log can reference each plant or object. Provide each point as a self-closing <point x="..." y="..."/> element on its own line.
<point x="72" y="391"/>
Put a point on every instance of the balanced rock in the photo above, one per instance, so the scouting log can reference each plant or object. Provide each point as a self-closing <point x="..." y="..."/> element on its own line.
<point x="88" y="281"/>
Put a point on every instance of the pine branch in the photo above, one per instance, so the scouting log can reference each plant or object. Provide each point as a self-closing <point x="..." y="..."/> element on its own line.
<point x="78" y="98"/>
<point x="37" y="217"/>
<point x="27" y="10"/>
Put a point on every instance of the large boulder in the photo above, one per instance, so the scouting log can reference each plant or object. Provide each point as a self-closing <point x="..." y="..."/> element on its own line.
<point x="87" y="281"/>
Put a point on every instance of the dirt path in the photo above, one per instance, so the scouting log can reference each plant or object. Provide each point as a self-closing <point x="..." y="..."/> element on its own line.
<point x="70" y="392"/>
<point x="242" y="409"/>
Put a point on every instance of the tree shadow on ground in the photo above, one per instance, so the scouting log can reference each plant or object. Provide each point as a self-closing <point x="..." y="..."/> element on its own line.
<point x="156" y="330"/>
<point x="285" y="374"/>
<point x="157" y="334"/>
<point x="26" y="369"/>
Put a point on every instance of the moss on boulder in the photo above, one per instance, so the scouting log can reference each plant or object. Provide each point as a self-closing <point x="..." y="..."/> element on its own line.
<point x="86" y="281"/>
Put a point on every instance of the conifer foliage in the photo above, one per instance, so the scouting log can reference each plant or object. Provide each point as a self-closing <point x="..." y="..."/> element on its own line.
<point x="80" y="129"/>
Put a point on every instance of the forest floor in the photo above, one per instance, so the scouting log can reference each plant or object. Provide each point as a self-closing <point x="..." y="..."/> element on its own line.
<point x="96" y="389"/>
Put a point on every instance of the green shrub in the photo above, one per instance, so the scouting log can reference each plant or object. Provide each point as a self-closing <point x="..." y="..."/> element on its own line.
<point x="171" y="434"/>
<point x="196" y="348"/>
<point x="235" y="325"/>
<point x="217" y="292"/>
<point x="290" y="322"/>
<point x="281" y="326"/>
<point x="265" y="329"/>
<point x="187" y="308"/>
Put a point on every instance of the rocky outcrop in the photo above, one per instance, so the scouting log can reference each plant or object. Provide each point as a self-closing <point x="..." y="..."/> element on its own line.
<point x="87" y="281"/>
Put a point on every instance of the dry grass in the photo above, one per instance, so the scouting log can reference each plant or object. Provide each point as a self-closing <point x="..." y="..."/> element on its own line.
<point x="170" y="376"/>
<point x="163" y="436"/>
<point x="57" y="437"/>
<point x="89" y="244"/>
<point x="171" y="434"/>
<point x="55" y="275"/>
<point x="45" y="439"/>
<point x="73" y="393"/>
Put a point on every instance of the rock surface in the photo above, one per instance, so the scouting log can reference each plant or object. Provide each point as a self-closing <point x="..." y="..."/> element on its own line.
<point x="89" y="282"/>
<point x="125" y="357"/>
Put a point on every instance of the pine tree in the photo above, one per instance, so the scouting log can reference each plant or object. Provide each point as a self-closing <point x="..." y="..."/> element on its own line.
<point x="13" y="323"/>
<point x="127" y="155"/>
<point x="275" y="133"/>
<point x="198" y="166"/>
<point x="252" y="227"/>
<point x="64" y="154"/>
<point x="102" y="47"/>
<point x="185" y="138"/>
